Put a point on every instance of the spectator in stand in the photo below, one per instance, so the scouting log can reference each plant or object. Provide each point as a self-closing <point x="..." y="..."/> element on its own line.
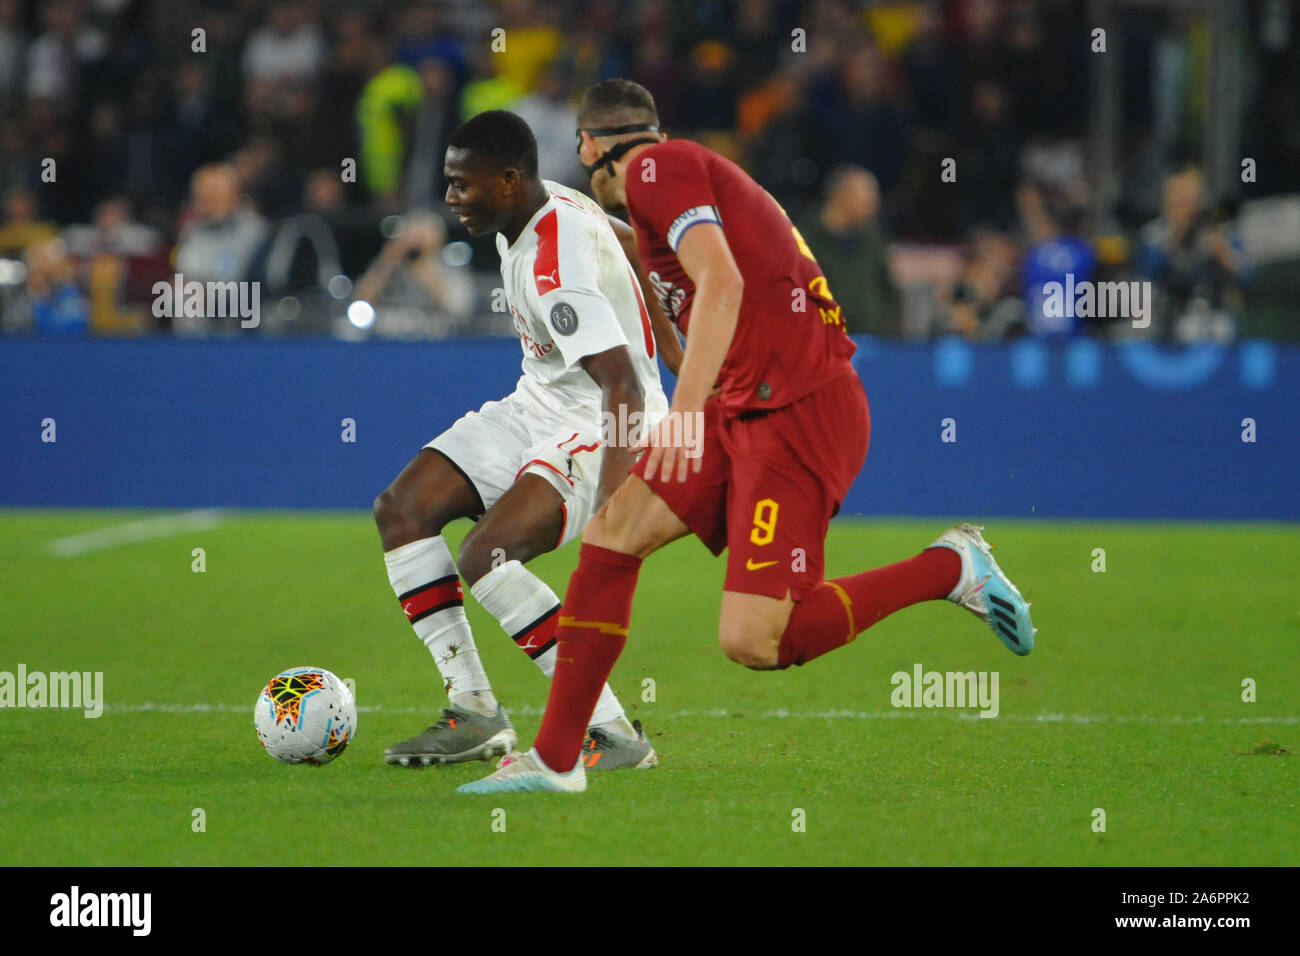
<point x="489" y="87"/>
<point x="21" y="226"/>
<point x="930" y="64"/>
<point x="436" y="117"/>
<point x="355" y="49"/>
<point x="987" y="160"/>
<point x="534" y="41"/>
<point x="858" y="122"/>
<point x="1197" y="262"/>
<point x="758" y="41"/>
<point x="551" y="115"/>
<point x="424" y="32"/>
<point x="13" y="45"/>
<point x="384" y="112"/>
<point x="413" y="293"/>
<point x="195" y="133"/>
<point x="353" y="227"/>
<point x="112" y="231"/>
<point x="711" y="104"/>
<point x="1056" y="252"/>
<point x="57" y="58"/>
<point x="846" y="237"/>
<point x="777" y="139"/>
<point x="51" y="303"/>
<point x="984" y="302"/>
<point x="285" y="56"/>
<point x="224" y="237"/>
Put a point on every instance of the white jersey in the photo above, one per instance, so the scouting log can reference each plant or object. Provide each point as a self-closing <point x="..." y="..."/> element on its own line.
<point x="572" y="293"/>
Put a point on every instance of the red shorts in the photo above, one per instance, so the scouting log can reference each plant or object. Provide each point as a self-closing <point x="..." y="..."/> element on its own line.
<point x="770" y="483"/>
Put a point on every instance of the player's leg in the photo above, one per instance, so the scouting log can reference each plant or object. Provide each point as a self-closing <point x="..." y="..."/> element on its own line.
<point x="429" y="493"/>
<point x="590" y="636"/>
<point x="411" y="513"/>
<point x="958" y="567"/>
<point x="455" y="476"/>
<point x="776" y="608"/>
<point x="637" y="520"/>
<point x="791" y="470"/>
<point x="524" y="522"/>
<point x="799" y="616"/>
<point x="534" y="517"/>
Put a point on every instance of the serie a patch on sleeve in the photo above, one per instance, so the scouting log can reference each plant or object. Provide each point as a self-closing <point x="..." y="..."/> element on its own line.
<point x="691" y="217"/>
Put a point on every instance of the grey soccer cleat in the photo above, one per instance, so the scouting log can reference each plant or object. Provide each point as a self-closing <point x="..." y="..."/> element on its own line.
<point x="605" y="751"/>
<point x="459" y="735"/>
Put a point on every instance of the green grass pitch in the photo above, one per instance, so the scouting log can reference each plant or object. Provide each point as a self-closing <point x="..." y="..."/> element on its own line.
<point x="1131" y="703"/>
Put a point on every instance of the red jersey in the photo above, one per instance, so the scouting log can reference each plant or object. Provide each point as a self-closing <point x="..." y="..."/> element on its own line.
<point x="790" y="338"/>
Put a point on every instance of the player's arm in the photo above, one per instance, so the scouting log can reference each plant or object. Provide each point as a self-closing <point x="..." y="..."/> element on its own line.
<point x="669" y="345"/>
<point x="706" y="257"/>
<point x="612" y="370"/>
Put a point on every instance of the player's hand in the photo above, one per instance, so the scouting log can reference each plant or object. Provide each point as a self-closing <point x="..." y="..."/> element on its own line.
<point x="675" y="446"/>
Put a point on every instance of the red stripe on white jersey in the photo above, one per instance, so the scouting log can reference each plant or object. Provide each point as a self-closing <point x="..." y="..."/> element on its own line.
<point x="559" y="197"/>
<point x="645" y="315"/>
<point x="546" y="265"/>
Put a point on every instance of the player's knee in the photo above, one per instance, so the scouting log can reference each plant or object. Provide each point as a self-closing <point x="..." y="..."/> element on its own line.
<point x="477" y="556"/>
<point x="597" y="530"/>
<point x="755" y="648"/>
<point x="386" y="510"/>
<point x="625" y="524"/>
<point x="400" y="520"/>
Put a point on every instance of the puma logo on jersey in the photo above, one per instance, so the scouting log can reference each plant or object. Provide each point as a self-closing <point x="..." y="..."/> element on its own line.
<point x="551" y="277"/>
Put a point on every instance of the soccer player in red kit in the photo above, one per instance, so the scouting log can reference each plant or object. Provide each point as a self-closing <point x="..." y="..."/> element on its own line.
<point x="782" y="441"/>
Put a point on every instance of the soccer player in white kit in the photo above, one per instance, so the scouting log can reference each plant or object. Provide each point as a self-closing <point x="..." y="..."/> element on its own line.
<point x="534" y="466"/>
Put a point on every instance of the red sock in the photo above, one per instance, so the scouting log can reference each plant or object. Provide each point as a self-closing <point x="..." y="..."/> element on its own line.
<point x="589" y="638"/>
<point x="835" y="612"/>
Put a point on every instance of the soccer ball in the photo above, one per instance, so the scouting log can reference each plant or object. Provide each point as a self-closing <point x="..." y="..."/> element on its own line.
<point x="305" y="715"/>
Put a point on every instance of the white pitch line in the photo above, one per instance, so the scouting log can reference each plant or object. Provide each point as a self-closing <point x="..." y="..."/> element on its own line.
<point x="146" y="529"/>
<point x="779" y="714"/>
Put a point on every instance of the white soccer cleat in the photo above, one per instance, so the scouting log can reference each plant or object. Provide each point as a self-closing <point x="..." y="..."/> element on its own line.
<point x="525" y="772"/>
<point x="985" y="591"/>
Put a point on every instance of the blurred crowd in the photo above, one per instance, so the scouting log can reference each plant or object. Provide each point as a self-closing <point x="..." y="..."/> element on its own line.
<point x="299" y="144"/>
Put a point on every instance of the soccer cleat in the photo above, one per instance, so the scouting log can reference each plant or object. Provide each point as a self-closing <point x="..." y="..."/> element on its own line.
<point x="985" y="591"/>
<point x="525" y="772"/>
<point x="606" y="751"/>
<point x="458" y="735"/>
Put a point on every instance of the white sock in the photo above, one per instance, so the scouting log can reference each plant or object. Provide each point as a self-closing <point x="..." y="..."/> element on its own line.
<point x="423" y="576"/>
<point x="529" y="610"/>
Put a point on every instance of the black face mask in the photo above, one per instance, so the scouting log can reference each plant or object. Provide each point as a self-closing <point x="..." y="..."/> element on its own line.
<point x="613" y="155"/>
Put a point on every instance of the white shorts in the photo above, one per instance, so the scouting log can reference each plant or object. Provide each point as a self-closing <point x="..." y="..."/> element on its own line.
<point x="516" y="436"/>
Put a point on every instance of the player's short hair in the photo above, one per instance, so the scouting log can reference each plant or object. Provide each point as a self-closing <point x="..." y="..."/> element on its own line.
<point x="499" y="137"/>
<point x="616" y="103"/>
